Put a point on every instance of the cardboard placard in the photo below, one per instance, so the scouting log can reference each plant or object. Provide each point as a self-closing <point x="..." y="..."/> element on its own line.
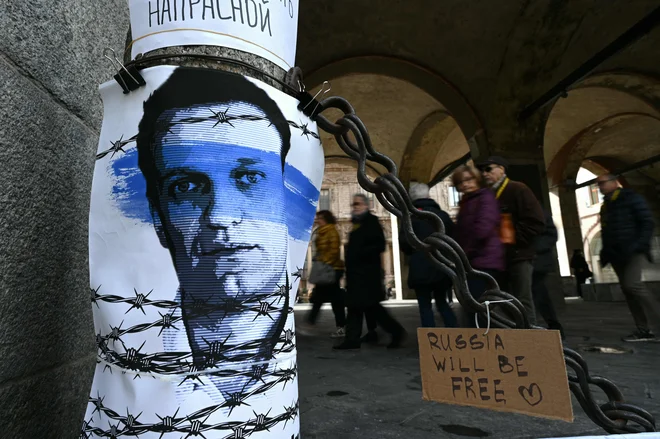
<point x="519" y="371"/>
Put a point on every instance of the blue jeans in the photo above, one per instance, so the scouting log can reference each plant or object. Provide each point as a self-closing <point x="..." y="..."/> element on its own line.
<point x="442" y="294"/>
<point x="478" y="286"/>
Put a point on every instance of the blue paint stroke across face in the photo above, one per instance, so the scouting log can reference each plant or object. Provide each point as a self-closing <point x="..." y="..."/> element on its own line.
<point x="301" y="199"/>
<point x="129" y="190"/>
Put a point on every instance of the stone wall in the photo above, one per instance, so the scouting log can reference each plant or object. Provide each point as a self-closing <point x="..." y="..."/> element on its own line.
<point x="51" y="64"/>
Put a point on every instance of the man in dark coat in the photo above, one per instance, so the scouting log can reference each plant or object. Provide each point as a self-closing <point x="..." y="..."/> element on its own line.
<point x="364" y="284"/>
<point x="580" y="269"/>
<point x="627" y="228"/>
<point x="428" y="281"/>
<point x="543" y="264"/>
<point x="517" y="201"/>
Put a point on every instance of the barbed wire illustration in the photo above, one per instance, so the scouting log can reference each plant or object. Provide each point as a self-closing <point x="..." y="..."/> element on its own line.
<point x="220" y="117"/>
<point x="216" y="354"/>
<point x="138" y="302"/>
<point x="192" y="425"/>
<point x="222" y="359"/>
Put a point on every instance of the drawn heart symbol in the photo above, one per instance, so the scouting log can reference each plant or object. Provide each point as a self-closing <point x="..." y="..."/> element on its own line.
<point x="532" y="394"/>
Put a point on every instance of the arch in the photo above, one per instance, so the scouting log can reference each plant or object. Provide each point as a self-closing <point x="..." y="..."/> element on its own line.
<point x="584" y="108"/>
<point x="609" y="164"/>
<point x="596" y="167"/>
<point x="432" y="83"/>
<point x="643" y="87"/>
<point x="568" y="160"/>
<point x="582" y="126"/>
<point x="419" y="156"/>
<point x="390" y="107"/>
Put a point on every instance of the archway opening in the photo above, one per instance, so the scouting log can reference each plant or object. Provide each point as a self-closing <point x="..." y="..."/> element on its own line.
<point x="598" y="129"/>
<point x="414" y="129"/>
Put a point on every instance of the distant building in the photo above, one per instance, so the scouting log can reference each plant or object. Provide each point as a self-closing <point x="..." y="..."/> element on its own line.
<point x="339" y="185"/>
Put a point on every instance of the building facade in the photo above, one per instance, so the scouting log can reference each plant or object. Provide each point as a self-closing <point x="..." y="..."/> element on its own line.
<point x="339" y="186"/>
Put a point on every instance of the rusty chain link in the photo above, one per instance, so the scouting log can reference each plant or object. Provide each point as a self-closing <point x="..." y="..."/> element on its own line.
<point x="615" y="416"/>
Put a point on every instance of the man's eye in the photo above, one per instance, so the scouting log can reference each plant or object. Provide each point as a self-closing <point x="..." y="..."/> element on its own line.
<point x="182" y="187"/>
<point x="250" y="178"/>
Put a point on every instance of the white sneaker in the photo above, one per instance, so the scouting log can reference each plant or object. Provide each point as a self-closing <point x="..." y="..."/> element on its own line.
<point x="340" y="333"/>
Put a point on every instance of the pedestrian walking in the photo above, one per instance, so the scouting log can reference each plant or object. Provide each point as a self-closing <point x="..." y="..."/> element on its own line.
<point x="364" y="286"/>
<point x="477" y="228"/>
<point x="521" y="221"/>
<point x="627" y="228"/>
<point x="581" y="270"/>
<point x="327" y="263"/>
<point x="424" y="276"/>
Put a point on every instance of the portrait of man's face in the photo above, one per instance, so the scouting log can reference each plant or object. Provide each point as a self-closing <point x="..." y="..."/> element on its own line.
<point x="219" y="205"/>
<point x="203" y="198"/>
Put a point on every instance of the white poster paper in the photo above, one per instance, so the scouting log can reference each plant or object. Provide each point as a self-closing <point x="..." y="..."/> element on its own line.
<point x="204" y="193"/>
<point x="268" y="28"/>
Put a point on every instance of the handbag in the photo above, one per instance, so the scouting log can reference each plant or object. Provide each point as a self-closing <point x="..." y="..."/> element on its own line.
<point x="322" y="274"/>
<point x="507" y="230"/>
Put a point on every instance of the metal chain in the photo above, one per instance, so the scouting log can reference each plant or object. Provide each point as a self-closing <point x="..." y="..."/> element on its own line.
<point x="615" y="416"/>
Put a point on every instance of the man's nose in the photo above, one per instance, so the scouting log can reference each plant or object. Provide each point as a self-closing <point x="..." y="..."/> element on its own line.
<point x="223" y="211"/>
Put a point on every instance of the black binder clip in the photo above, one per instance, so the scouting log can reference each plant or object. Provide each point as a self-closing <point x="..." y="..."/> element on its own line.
<point x="128" y="78"/>
<point x="309" y="104"/>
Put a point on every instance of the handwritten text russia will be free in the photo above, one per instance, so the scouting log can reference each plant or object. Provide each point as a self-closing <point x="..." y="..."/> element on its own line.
<point x="486" y="388"/>
<point x="253" y="13"/>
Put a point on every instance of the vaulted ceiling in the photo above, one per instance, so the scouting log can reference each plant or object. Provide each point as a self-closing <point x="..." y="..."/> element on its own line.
<point x="480" y="62"/>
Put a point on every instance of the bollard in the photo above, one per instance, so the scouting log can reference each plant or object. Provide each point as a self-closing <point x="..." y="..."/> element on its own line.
<point x="205" y="189"/>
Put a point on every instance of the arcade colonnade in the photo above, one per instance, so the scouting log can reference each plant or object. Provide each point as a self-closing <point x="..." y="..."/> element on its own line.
<point x="606" y="123"/>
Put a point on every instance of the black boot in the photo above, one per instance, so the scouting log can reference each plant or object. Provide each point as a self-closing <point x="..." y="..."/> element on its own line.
<point x="346" y="346"/>
<point x="397" y="340"/>
<point x="370" y="338"/>
<point x="557" y="326"/>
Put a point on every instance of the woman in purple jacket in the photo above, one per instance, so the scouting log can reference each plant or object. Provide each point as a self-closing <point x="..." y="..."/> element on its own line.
<point x="477" y="228"/>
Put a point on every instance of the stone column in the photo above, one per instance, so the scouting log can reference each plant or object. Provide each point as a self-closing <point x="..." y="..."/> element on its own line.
<point x="385" y="259"/>
<point x="50" y="119"/>
<point x="570" y="217"/>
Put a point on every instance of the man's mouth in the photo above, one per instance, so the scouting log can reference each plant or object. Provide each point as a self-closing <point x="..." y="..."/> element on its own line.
<point x="229" y="249"/>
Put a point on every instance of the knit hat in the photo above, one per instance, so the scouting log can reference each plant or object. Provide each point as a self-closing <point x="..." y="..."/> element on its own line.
<point x="418" y="191"/>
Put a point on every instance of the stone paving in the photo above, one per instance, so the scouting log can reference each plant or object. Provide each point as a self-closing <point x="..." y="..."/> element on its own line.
<point x="377" y="393"/>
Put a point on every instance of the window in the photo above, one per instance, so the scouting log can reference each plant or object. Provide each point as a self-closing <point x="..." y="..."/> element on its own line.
<point x="454" y="196"/>
<point x="324" y="199"/>
<point x="372" y="200"/>
<point x="594" y="195"/>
